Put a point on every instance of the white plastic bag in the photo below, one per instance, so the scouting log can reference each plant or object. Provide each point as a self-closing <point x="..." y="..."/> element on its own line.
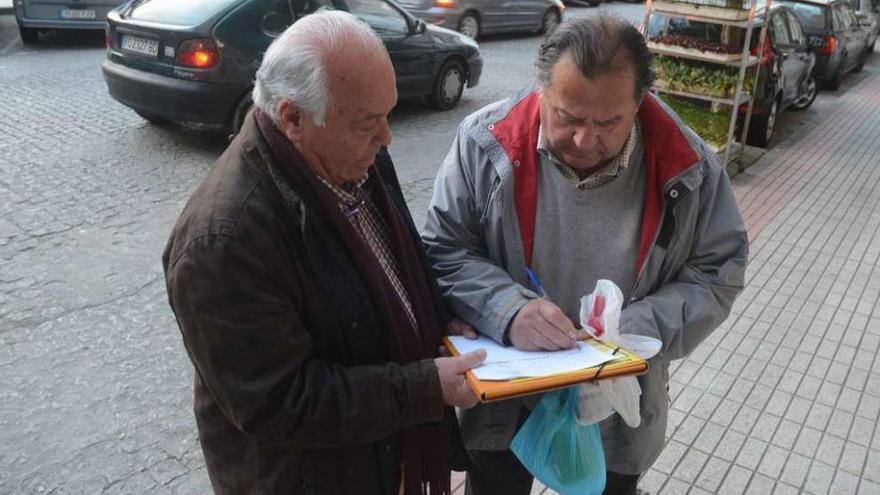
<point x="600" y="317"/>
<point x="600" y="311"/>
<point x="592" y="406"/>
<point x="623" y="394"/>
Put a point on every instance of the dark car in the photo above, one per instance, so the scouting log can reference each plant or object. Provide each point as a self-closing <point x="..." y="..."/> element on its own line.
<point x="33" y="16"/>
<point x="784" y="79"/>
<point x="477" y="17"/>
<point x="834" y="35"/>
<point x="583" y="3"/>
<point x="196" y="60"/>
<point x="868" y="14"/>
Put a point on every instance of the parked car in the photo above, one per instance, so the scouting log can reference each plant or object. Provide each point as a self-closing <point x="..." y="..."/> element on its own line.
<point x="583" y="3"/>
<point x="196" y="60"/>
<point x="34" y="16"/>
<point x="784" y="71"/>
<point x="474" y="18"/>
<point x="834" y="35"/>
<point x="868" y="14"/>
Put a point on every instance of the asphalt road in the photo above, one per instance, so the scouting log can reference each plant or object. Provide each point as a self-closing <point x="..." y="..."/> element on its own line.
<point x="95" y="388"/>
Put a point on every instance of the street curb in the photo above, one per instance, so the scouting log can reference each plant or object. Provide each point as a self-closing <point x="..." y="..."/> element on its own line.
<point x="6" y="11"/>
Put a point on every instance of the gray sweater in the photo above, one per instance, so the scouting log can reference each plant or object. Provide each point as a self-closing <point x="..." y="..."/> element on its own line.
<point x="584" y="235"/>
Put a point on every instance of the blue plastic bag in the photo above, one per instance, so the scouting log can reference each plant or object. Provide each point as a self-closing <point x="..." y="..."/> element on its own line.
<point x="560" y="452"/>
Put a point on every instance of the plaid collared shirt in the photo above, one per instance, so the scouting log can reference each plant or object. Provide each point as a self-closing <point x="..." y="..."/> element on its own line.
<point x="360" y="211"/>
<point x="603" y="175"/>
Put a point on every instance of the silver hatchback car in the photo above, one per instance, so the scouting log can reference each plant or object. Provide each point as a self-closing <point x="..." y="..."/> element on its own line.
<point x="33" y="16"/>
<point x="477" y="17"/>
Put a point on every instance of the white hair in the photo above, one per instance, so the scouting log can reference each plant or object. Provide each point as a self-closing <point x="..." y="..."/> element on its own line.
<point x="293" y="67"/>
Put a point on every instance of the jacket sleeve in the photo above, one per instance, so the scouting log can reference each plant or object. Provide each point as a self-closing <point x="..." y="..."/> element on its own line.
<point x="684" y="311"/>
<point x="471" y="281"/>
<point x="254" y="355"/>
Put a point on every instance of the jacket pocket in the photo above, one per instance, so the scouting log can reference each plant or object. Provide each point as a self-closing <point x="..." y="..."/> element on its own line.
<point x="493" y="195"/>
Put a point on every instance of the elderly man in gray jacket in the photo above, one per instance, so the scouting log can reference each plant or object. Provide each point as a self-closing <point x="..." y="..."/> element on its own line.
<point x="588" y="177"/>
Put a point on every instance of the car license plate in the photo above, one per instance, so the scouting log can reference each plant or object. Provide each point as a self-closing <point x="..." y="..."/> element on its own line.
<point x="77" y="14"/>
<point x="142" y="46"/>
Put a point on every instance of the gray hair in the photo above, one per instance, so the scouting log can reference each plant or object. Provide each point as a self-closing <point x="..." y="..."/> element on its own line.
<point x="596" y="44"/>
<point x="293" y="67"/>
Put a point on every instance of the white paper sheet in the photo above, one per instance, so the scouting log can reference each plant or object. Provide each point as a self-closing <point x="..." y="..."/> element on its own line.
<point x="505" y="363"/>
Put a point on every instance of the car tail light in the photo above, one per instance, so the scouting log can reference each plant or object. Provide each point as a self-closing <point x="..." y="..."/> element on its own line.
<point x="444" y="4"/>
<point x="198" y="54"/>
<point x="829" y="43"/>
<point x="756" y="109"/>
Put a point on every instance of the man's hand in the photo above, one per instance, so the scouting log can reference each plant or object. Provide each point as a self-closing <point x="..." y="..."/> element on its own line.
<point x="456" y="391"/>
<point x="458" y="326"/>
<point x="541" y="326"/>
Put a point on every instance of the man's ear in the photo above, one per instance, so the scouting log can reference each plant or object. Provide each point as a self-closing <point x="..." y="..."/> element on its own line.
<point x="290" y="120"/>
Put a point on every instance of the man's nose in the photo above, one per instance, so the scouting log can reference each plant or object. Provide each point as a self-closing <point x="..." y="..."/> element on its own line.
<point x="584" y="137"/>
<point x="384" y="135"/>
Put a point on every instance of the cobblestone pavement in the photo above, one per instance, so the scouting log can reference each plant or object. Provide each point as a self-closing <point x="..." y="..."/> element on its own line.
<point x="94" y="384"/>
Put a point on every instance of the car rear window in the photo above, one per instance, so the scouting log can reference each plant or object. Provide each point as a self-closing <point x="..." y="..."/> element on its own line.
<point x="177" y="12"/>
<point x="811" y="16"/>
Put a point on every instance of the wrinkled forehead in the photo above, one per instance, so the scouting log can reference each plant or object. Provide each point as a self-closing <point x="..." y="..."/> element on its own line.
<point x="568" y="77"/>
<point x="601" y="97"/>
<point x="362" y="81"/>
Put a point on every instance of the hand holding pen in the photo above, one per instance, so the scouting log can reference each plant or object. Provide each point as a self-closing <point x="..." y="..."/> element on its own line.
<point x="541" y="325"/>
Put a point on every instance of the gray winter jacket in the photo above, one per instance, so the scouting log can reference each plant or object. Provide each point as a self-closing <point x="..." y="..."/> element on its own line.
<point x="692" y="256"/>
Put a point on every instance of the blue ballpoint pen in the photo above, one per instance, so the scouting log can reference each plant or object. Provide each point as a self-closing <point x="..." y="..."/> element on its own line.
<point x="536" y="284"/>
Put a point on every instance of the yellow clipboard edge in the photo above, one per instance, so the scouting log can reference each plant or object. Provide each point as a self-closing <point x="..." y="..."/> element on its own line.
<point x="631" y="365"/>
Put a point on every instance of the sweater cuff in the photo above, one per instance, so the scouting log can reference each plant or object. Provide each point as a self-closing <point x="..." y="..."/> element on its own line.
<point x="501" y="323"/>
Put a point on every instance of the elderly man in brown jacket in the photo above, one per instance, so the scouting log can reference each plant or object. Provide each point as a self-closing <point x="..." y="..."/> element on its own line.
<point x="301" y="289"/>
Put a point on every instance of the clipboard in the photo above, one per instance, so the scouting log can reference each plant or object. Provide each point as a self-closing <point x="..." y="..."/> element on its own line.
<point x="625" y="364"/>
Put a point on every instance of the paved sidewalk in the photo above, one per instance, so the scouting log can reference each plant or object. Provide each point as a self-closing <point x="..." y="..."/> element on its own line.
<point x="785" y="396"/>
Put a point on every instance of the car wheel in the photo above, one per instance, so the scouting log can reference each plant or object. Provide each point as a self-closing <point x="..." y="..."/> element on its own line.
<point x="834" y="83"/>
<point x="29" y="35"/>
<point x="594" y="4"/>
<point x="469" y="25"/>
<point x="152" y="118"/>
<point x="233" y="127"/>
<point x="762" y="129"/>
<point x="861" y="65"/>
<point x="448" y="85"/>
<point x="807" y="96"/>
<point x="550" y="21"/>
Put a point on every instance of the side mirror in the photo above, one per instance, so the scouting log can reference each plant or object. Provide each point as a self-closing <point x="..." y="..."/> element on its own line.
<point x="420" y="26"/>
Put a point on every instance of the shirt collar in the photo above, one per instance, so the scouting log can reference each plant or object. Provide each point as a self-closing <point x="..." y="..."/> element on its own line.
<point x="348" y="193"/>
<point x="605" y="173"/>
